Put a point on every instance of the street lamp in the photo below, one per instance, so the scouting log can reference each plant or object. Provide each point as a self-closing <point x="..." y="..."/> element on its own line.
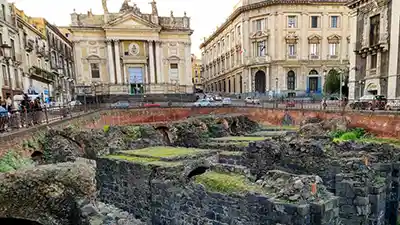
<point x="341" y="83"/>
<point x="276" y="87"/>
<point x="6" y="58"/>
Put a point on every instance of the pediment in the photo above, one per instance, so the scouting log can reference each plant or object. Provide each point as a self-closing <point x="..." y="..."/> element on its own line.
<point x="314" y="39"/>
<point x="131" y="21"/>
<point x="334" y="37"/>
<point x="260" y="34"/>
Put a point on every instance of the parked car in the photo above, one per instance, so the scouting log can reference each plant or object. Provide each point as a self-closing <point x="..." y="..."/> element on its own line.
<point x="370" y="102"/>
<point x="226" y="101"/>
<point x="290" y="103"/>
<point x="217" y="98"/>
<point x="120" y="105"/>
<point x="393" y="105"/>
<point x="72" y="104"/>
<point x="250" y="100"/>
<point x="202" y="103"/>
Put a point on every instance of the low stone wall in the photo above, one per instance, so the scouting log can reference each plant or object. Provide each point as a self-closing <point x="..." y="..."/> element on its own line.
<point x="159" y="195"/>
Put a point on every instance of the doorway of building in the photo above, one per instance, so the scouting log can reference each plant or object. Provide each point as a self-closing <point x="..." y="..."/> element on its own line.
<point x="136" y="80"/>
<point x="313" y="82"/>
<point x="260" y="81"/>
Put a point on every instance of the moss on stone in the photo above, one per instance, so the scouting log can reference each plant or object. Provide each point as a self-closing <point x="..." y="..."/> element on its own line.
<point x="165" y="152"/>
<point x="144" y="160"/>
<point x="227" y="183"/>
<point x="240" y="138"/>
<point x="231" y="153"/>
<point x="285" y="127"/>
<point x="392" y="141"/>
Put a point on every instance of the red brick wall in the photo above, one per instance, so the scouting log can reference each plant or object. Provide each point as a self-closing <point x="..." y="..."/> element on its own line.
<point x="381" y="124"/>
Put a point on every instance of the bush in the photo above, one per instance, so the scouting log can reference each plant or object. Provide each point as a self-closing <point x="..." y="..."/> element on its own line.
<point x="11" y="161"/>
<point x="106" y="128"/>
<point x="349" y="136"/>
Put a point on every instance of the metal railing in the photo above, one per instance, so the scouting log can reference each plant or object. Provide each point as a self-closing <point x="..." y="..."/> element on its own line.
<point x="18" y="120"/>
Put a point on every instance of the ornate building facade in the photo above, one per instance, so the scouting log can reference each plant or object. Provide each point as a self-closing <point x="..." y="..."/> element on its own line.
<point x="375" y="48"/>
<point x="286" y="47"/>
<point x="47" y="60"/>
<point x="196" y="72"/>
<point x="11" y="82"/>
<point x="131" y="52"/>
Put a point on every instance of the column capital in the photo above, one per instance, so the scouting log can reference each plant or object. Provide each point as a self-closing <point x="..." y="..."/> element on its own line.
<point x="116" y="41"/>
<point x="108" y="41"/>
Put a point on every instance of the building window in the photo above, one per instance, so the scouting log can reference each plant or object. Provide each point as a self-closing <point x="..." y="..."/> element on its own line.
<point x="239" y="32"/>
<point x="314" y="50"/>
<point x="5" y="75"/>
<point x="174" y="71"/>
<point x="261" y="48"/>
<point x="259" y="25"/>
<point x="374" y="30"/>
<point x="16" y="77"/>
<point x="333" y="49"/>
<point x="12" y="49"/>
<point x="292" y="50"/>
<point x="3" y="11"/>
<point x="374" y="61"/>
<point x="315" y="21"/>
<point x="292" y="21"/>
<point x="334" y="21"/>
<point x="291" y="80"/>
<point x="28" y="60"/>
<point x="95" y="70"/>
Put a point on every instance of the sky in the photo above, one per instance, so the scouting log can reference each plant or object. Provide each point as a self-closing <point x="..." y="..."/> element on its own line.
<point x="205" y="15"/>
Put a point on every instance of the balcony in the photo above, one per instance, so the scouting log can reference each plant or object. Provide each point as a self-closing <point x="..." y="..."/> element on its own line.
<point x="314" y="56"/>
<point x="41" y="74"/>
<point x="29" y="45"/>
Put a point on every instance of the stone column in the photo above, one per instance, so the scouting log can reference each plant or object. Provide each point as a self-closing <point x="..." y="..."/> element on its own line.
<point x="352" y="56"/>
<point x="118" y="62"/>
<point x="160" y="75"/>
<point x="151" y="62"/>
<point x="110" y="61"/>
<point x="188" y="66"/>
<point x="249" y="81"/>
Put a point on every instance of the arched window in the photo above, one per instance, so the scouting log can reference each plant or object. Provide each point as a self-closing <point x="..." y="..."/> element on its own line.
<point x="291" y="80"/>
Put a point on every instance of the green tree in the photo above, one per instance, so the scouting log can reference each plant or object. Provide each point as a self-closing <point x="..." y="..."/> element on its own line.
<point x="332" y="82"/>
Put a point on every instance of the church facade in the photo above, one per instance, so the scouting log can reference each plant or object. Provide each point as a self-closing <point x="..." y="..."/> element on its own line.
<point x="130" y="52"/>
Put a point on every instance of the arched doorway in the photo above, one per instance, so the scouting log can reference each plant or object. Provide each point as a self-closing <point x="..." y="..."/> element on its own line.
<point x="291" y="80"/>
<point x="12" y="221"/>
<point x="260" y="82"/>
<point x="313" y="82"/>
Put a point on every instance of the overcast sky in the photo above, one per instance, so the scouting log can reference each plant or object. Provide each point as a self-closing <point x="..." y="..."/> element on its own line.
<point x="205" y="15"/>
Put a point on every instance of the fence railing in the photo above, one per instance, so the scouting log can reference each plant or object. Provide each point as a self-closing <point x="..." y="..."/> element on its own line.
<point x="17" y="120"/>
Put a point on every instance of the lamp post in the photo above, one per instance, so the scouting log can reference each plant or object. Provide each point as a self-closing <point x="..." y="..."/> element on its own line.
<point x="341" y="83"/>
<point x="276" y="87"/>
<point x="6" y="58"/>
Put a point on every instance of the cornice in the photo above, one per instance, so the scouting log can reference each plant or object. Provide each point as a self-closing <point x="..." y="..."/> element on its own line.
<point x="265" y="3"/>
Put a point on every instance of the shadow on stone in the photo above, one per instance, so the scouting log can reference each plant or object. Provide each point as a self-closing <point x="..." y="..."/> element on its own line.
<point x="12" y="221"/>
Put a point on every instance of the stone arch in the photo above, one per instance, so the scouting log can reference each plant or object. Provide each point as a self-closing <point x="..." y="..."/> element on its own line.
<point x="260" y="81"/>
<point x="313" y="82"/>
<point x="291" y="80"/>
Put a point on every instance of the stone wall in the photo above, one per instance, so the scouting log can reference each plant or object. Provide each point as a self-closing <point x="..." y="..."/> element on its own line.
<point x="158" y="195"/>
<point x="383" y="124"/>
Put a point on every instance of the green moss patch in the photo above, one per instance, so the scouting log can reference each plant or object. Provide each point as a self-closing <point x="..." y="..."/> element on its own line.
<point x="236" y="143"/>
<point x="392" y="141"/>
<point x="165" y="152"/>
<point x="240" y="138"/>
<point x="227" y="183"/>
<point x="144" y="160"/>
<point x="230" y="153"/>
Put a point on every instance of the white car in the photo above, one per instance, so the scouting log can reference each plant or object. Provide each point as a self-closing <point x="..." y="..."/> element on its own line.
<point x="226" y="101"/>
<point x="250" y="100"/>
<point x="202" y="103"/>
<point x="393" y="105"/>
